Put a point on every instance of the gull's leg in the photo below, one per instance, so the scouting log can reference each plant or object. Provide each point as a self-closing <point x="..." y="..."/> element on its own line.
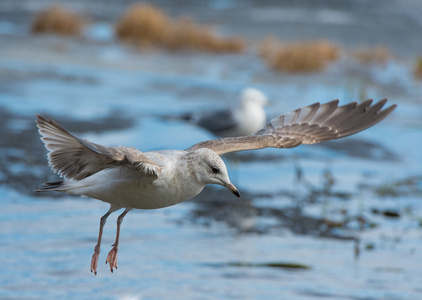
<point x="112" y="255"/>
<point x="97" y="249"/>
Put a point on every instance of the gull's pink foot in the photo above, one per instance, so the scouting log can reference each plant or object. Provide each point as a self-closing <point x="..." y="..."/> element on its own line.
<point x="94" y="261"/>
<point x="112" y="258"/>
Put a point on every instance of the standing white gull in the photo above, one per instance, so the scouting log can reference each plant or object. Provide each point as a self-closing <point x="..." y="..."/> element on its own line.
<point x="128" y="178"/>
<point x="245" y="118"/>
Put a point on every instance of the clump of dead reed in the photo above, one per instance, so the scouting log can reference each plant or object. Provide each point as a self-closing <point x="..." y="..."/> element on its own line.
<point x="377" y="55"/>
<point x="147" y="25"/>
<point x="297" y="57"/>
<point x="58" y="20"/>
<point x="143" y="24"/>
<point x="418" y="68"/>
<point x="186" y="34"/>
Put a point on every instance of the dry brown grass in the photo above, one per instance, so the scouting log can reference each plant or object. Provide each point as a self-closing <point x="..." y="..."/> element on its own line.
<point x="186" y="34"/>
<point x="377" y="54"/>
<point x="147" y="25"/>
<point x="311" y="56"/>
<point x="418" y="68"/>
<point x="144" y="24"/>
<point x="58" y="20"/>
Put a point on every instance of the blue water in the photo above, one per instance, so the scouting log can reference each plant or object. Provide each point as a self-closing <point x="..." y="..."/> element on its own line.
<point x="46" y="242"/>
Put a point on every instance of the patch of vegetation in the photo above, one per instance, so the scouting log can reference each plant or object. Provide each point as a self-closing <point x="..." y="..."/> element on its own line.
<point x="390" y="213"/>
<point x="377" y="55"/>
<point x="58" y="20"/>
<point x="387" y="190"/>
<point x="298" y="57"/>
<point x="281" y="265"/>
<point x="370" y="246"/>
<point x="408" y="186"/>
<point x="418" y="68"/>
<point x="145" y="25"/>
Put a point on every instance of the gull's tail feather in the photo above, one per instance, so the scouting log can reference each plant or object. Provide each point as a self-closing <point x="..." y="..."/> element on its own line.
<point x="51" y="186"/>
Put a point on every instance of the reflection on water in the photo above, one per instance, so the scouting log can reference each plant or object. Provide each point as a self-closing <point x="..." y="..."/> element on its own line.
<point x="349" y="210"/>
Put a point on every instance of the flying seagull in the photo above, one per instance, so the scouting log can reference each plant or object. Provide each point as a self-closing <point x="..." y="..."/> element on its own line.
<point x="128" y="178"/>
<point x="245" y="118"/>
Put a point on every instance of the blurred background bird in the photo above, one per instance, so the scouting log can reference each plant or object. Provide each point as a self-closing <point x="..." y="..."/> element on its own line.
<point x="246" y="117"/>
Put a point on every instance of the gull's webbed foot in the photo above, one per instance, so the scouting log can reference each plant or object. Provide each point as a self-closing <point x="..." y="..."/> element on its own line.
<point x="112" y="258"/>
<point x="94" y="261"/>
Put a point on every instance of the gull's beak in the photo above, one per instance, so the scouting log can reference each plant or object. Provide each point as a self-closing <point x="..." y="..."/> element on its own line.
<point x="232" y="189"/>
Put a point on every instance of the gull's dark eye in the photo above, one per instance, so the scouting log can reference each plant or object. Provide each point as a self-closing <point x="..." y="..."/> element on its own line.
<point x="215" y="170"/>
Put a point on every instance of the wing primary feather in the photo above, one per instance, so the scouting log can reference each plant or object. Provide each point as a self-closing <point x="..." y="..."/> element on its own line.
<point x="324" y="111"/>
<point x="309" y="112"/>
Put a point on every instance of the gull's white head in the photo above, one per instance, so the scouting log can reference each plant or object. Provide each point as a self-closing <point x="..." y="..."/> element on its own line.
<point x="210" y="169"/>
<point x="252" y="95"/>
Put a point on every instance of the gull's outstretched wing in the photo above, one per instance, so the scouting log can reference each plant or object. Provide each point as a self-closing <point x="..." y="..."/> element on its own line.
<point x="309" y="125"/>
<point x="75" y="158"/>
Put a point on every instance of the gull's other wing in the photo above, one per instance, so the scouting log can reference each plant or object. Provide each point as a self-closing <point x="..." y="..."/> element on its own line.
<point x="74" y="158"/>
